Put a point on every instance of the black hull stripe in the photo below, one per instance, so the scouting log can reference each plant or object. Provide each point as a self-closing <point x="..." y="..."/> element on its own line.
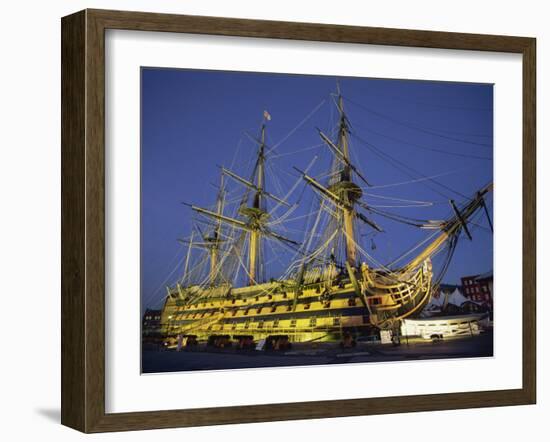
<point x="351" y="311"/>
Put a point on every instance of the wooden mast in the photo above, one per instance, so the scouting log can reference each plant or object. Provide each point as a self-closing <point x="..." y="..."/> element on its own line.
<point x="216" y="238"/>
<point x="211" y="242"/>
<point x="347" y="190"/>
<point x="254" y="243"/>
<point x="254" y="212"/>
<point x="186" y="267"/>
<point x="351" y="253"/>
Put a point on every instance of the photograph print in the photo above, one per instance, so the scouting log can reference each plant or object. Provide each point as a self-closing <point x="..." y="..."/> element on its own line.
<point x="302" y="220"/>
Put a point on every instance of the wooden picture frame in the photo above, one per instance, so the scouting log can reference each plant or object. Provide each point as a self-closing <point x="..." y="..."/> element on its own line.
<point x="83" y="220"/>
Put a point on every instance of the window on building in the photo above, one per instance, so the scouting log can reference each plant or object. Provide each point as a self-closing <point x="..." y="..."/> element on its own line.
<point x="293" y="323"/>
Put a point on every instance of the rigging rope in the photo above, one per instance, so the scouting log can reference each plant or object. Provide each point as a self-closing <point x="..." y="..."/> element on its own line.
<point x="416" y="127"/>
<point x="427" y="178"/>
<point x="298" y="126"/>
<point x="401" y="206"/>
<point x="420" y="244"/>
<point x="274" y="157"/>
<point x="404" y="167"/>
<point x="296" y="184"/>
<point x="402" y="200"/>
<point x="398" y="218"/>
<point x="439" y="105"/>
<point x="432" y="149"/>
<point x="162" y="284"/>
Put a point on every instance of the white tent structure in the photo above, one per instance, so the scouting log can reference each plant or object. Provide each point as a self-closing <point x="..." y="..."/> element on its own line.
<point x="457" y="298"/>
<point x="440" y="302"/>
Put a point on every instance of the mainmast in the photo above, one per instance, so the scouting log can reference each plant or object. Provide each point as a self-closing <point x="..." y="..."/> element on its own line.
<point x="254" y="213"/>
<point x="257" y="213"/>
<point x="346" y="188"/>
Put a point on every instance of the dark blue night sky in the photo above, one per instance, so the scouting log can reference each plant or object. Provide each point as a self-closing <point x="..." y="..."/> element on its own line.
<point x="403" y="131"/>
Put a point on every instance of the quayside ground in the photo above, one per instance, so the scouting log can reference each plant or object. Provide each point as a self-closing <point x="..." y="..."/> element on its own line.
<point x="202" y="358"/>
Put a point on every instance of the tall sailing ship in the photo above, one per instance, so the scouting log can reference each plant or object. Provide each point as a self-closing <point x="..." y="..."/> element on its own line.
<point x="332" y="287"/>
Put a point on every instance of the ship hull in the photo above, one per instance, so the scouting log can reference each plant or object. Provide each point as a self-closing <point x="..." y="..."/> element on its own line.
<point x="318" y="312"/>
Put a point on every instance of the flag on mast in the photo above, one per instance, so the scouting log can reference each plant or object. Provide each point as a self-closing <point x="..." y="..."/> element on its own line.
<point x="267" y="116"/>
